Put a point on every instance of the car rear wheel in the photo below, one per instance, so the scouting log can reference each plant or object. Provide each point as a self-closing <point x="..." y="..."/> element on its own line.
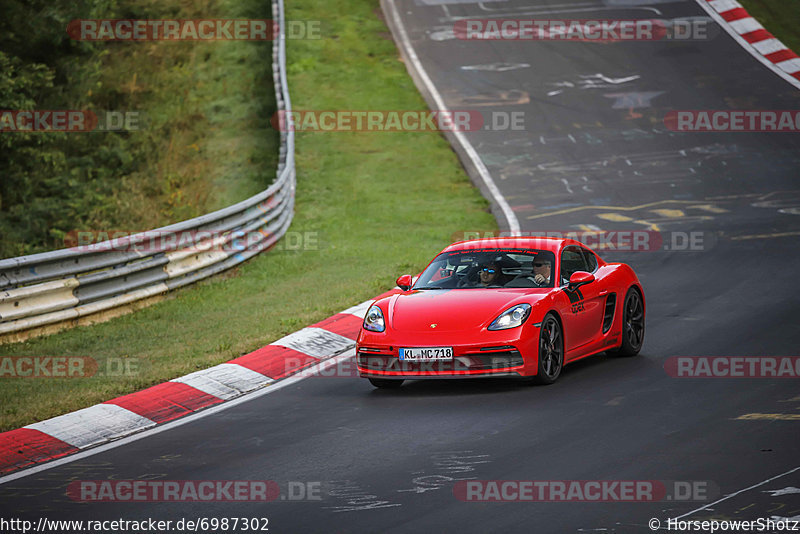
<point x="551" y="351"/>
<point x="385" y="383"/>
<point x="632" y="325"/>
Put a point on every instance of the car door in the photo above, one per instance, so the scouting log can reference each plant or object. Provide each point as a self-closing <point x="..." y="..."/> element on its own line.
<point x="595" y="296"/>
<point x="583" y="316"/>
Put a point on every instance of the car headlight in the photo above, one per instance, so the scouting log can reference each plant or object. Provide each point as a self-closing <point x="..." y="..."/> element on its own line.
<point x="374" y="320"/>
<point x="512" y="317"/>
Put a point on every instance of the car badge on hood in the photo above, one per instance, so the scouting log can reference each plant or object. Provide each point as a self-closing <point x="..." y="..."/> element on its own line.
<point x="433" y="325"/>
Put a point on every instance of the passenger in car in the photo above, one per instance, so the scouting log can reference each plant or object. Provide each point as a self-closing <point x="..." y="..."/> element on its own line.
<point x="490" y="275"/>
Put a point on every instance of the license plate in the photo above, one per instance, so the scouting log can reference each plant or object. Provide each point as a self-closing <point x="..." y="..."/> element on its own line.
<point x="426" y="354"/>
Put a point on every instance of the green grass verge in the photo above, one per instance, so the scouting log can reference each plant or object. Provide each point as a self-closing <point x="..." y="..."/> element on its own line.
<point x="779" y="17"/>
<point x="381" y="204"/>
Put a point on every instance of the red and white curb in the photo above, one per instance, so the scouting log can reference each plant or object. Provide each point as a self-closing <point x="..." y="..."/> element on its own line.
<point x="748" y="32"/>
<point x="114" y="419"/>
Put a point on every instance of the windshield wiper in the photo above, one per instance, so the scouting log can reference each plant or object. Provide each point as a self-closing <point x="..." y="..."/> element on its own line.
<point x="426" y="287"/>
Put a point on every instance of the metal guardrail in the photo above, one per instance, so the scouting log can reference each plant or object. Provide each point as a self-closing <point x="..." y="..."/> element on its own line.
<point x="63" y="285"/>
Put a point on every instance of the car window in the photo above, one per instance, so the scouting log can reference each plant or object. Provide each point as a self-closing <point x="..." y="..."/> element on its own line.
<point x="503" y="268"/>
<point x="572" y="260"/>
<point x="591" y="260"/>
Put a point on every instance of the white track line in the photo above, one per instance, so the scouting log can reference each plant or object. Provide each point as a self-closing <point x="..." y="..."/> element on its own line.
<point x="725" y="498"/>
<point x="511" y="218"/>
<point x="311" y="371"/>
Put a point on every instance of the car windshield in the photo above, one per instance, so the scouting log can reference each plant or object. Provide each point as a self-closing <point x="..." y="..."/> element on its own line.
<point x="488" y="268"/>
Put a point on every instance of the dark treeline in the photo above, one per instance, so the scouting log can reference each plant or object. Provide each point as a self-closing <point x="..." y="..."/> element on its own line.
<point x="54" y="183"/>
<point x="51" y="182"/>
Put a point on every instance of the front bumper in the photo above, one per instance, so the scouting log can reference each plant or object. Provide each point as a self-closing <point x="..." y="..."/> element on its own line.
<point x="511" y="352"/>
<point x="374" y="362"/>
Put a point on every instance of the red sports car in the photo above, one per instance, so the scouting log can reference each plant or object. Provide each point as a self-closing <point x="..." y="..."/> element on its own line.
<point x="513" y="307"/>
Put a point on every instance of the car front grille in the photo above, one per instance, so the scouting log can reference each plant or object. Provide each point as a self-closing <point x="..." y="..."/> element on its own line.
<point x="467" y="362"/>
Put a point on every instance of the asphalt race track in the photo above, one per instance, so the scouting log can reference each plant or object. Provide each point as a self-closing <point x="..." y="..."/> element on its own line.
<point x="594" y="154"/>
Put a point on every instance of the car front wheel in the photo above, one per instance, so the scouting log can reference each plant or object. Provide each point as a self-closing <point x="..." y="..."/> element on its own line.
<point x="551" y="351"/>
<point x="632" y="325"/>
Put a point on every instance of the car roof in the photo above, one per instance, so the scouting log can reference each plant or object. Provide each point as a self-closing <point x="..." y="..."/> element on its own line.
<point x="552" y="244"/>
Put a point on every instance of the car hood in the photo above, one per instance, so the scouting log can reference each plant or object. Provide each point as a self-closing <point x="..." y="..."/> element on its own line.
<point x="454" y="309"/>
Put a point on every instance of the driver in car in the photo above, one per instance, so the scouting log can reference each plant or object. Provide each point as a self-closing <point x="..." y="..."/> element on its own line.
<point x="541" y="272"/>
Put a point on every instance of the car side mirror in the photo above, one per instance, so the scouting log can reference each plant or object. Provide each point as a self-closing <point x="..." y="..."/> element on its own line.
<point x="580" y="278"/>
<point x="404" y="282"/>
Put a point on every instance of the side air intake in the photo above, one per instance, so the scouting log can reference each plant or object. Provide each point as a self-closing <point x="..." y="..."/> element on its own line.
<point x="608" y="316"/>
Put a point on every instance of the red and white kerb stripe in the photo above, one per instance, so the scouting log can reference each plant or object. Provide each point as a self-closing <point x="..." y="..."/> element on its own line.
<point x="126" y="415"/>
<point x="753" y="33"/>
